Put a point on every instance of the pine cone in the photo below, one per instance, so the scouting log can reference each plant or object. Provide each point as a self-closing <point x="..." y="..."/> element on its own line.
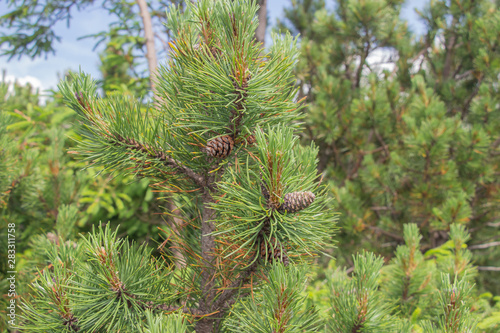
<point x="220" y="147"/>
<point x="274" y="250"/>
<point x="296" y="201"/>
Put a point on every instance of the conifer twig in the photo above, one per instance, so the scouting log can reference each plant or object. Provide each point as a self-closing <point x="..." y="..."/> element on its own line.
<point x="484" y="246"/>
<point x="229" y="292"/>
<point x="488" y="268"/>
<point x="167" y="160"/>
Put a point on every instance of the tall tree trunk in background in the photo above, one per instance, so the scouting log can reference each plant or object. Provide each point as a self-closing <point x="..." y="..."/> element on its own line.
<point x="176" y="224"/>
<point x="260" y="33"/>
<point x="150" y="43"/>
<point x="152" y="66"/>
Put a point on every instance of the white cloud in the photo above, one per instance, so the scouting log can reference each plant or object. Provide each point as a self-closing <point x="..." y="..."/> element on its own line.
<point x="35" y="83"/>
<point x="382" y="59"/>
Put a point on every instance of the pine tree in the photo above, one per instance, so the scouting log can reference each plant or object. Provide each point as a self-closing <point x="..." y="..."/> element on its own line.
<point x="415" y="292"/>
<point x="407" y="126"/>
<point x="45" y="196"/>
<point x="119" y="63"/>
<point x="220" y="130"/>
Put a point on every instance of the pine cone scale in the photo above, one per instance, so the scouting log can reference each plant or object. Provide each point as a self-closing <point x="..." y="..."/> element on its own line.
<point x="220" y="147"/>
<point x="296" y="201"/>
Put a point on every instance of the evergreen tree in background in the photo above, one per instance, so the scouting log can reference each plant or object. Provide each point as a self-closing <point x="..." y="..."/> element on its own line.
<point x="408" y="127"/>
<point x="118" y="66"/>
<point x="45" y="193"/>
<point x="415" y="292"/>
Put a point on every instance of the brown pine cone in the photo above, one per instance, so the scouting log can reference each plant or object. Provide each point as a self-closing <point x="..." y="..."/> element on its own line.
<point x="220" y="147"/>
<point x="296" y="201"/>
<point x="274" y="251"/>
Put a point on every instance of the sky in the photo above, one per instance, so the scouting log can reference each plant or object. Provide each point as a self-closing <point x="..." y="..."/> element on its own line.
<point x="73" y="53"/>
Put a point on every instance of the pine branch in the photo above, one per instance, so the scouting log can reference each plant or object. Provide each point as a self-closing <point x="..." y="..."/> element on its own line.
<point x="162" y="307"/>
<point x="473" y="94"/>
<point x="119" y="122"/>
<point x="278" y="306"/>
<point x="237" y="112"/>
<point x="159" y="155"/>
<point x="231" y="290"/>
<point x="488" y="268"/>
<point x="364" y="56"/>
<point x="483" y="246"/>
<point x="171" y="308"/>
<point x="450" y="49"/>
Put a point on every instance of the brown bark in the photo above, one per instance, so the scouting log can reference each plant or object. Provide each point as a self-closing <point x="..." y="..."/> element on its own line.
<point x="211" y="302"/>
<point x="176" y="224"/>
<point x="364" y="56"/>
<point x="150" y="42"/>
<point x="484" y="246"/>
<point x="450" y="50"/>
<point x="160" y="155"/>
<point x="260" y="33"/>
<point x="488" y="268"/>
<point x="205" y="325"/>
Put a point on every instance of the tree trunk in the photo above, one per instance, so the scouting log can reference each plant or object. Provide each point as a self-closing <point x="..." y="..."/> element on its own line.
<point x="260" y="33"/>
<point x="207" y="248"/>
<point x="150" y="43"/>
<point x="176" y="224"/>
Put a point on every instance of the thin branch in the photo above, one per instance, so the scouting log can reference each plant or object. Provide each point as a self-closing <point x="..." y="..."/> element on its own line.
<point x="228" y="293"/>
<point x="484" y="246"/>
<point x="450" y="46"/>
<point x="495" y="144"/>
<point x="464" y="75"/>
<point x="494" y="225"/>
<point x="354" y="171"/>
<point x="163" y="42"/>
<point x="163" y="307"/>
<point x="198" y="179"/>
<point x="488" y="268"/>
<point x="362" y="61"/>
<point x="467" y="103"/>
<point x="387" y="233"/>
<point x="167" y="160"/>
<point x="171" y="308"/>
<point x="380" y="208"/>
<point x="176" y="225"/>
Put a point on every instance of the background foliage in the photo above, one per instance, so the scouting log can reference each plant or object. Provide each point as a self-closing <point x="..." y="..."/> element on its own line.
<point x="408" y="126"/>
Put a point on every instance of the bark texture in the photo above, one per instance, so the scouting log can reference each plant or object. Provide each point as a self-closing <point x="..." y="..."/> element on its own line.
<point x="150" y="42"/>
<point x="260" y="33"/>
